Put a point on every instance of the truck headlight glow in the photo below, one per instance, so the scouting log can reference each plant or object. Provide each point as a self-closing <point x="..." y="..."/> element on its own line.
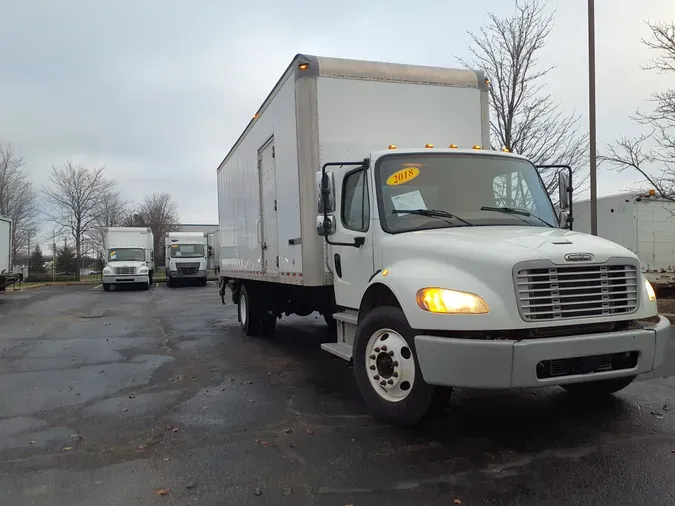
<point x="650" y="291"/>
<point x="441" y="300"/>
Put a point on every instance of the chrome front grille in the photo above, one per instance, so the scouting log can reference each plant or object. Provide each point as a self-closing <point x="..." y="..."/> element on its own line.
<point x="125" y="271"/>
<point x="556" y="292"/>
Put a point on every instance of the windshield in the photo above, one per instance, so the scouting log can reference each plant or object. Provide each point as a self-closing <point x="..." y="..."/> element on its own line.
<point x="459" y="184"/>
<point x="126" y="255"/>
<point x="187" y="251"/>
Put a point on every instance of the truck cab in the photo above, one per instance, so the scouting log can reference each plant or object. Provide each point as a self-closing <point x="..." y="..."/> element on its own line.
<point x="130" y="257"/>
<point x="187" y="256"/>
<point x="452" y="269"/>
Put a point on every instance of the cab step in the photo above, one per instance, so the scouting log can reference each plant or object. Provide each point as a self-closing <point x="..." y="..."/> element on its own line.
<point x="346" y="330"/>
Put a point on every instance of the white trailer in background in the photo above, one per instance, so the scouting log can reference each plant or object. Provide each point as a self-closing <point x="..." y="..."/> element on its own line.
<point x="640" y="222"/>
<point x="360" y="190"/>
<point x="130" y="257"/>
<point x="7" y="277"/>
<point x="187" y="256"/>
<point x="214" y="247"/>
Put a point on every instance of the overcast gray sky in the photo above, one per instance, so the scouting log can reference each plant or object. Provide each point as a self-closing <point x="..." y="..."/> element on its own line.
<point x="157" y="91"/>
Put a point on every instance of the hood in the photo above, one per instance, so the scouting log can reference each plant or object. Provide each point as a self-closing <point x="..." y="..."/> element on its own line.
<point x="500" y="245"/>
<point x="127" y="263"/>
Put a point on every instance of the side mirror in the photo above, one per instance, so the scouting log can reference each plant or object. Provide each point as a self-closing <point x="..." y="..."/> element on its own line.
<point x="564" y="220"/>
<point x="564" y="196"/>
<point x="325" y="203"/>
<point x="325" y="226"/>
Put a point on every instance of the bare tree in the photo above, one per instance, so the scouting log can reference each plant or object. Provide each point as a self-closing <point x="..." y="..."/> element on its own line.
<point x="159" y="212"/>
<point x="656" y="148"/>
<point x="18" y="199"/>
<point x="110" y="212"/>
<point x="525" y="118"/>
<point x="73" y="199"/>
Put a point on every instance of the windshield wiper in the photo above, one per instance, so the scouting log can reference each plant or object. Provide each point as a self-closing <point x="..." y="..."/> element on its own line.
<point x="434" y="213"/>
<point x="515" y="210"/>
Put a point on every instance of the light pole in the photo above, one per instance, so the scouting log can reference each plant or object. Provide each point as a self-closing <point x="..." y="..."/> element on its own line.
<point x="593" y="168"/>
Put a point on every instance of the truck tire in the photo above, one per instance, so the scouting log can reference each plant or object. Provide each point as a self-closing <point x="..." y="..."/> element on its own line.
<point x="595" y="389"/>
<point x="384" y="351"/>
<point x="254" y="319"/>
<point x="169" y="283"/>
<point x="106" y="287"/>
<point x="203" y="282"/>
<point x="145" y="286"/>
<point x="150" y="277"/>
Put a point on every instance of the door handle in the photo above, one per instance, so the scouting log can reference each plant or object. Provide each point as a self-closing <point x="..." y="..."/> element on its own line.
<point x="264" y="246"/>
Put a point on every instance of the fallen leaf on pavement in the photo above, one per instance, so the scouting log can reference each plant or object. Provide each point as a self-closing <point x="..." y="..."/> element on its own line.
<point x="457" y="501"/>
<point x="287" y="491"/>
<point x="162" y="491"/>
<point x="142" y="447"/>
<point x="67" y="448"/>
<point x="33" y="442"/>
<point x="310" y="431"/>
<point x="257" y="491"/>
<point x="191" y="484"/>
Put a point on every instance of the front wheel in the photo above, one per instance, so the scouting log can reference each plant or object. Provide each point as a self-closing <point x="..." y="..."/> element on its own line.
<point x="387" y="371"/>
<point x="106" y="287"/>
<point x="595" y="389"/>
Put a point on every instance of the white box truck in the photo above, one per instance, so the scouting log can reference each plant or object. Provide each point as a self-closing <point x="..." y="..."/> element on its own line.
<point x="641" y="222"/>
<point x="187" y="256"/>
<point x="130" y="257"/>
<point x="7" y="277"/>
<point x="360" y="190"/>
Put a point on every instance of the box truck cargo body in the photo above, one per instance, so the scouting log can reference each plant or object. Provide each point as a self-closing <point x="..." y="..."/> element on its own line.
<point x="130" y="257"/>
<point x="361" y="190"/>
<point x="187" y="256"/>
<point x="642" y="223"/>
<point x="7" y="277"/>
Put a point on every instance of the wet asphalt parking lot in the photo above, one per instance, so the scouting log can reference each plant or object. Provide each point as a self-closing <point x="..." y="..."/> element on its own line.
<point x="143" y="398"/>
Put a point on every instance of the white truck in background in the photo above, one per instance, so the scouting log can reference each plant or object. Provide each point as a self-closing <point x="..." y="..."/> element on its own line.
<point x="187" y="257"/>
<point x="641" y="222"/>
<point x="130" y="257"/>
<point x="360" y="190"/>
<point x="7" y="277"/>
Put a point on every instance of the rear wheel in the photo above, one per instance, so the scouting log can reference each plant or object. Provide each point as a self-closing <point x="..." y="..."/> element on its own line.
<point x="387" y="371"/>
<point x="254" y="318"/>
<point x="595" y="389"/>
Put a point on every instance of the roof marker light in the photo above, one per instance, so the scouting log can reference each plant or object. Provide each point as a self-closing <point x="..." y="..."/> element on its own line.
<point x="303" y="66"/>
<point x="453" y="146"/>
<point x="476" y="146"/>
<point x="506" y="150"/>
<point x="392" y="146"/>
<point x="428" y="145"/>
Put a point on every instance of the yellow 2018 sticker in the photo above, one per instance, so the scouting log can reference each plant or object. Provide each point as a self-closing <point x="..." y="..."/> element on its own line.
<point x="403" y="176"/>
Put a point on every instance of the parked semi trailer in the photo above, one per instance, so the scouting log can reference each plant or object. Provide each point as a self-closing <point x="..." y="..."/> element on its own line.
<point x="7" y="277"/>
<point x="641" y="222"/>
<point x="130" y="257"/>
<point x="361" y="190"/>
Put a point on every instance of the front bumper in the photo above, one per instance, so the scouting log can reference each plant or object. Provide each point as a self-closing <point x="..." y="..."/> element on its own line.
<point x="122" y="279"/>
<point x="180" y="275"/>
<point x="473" y="363"/>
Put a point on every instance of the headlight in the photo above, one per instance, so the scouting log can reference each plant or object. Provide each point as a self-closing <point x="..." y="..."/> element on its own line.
<point x="172" y="267"/>
<point x="440" y="300"/>
<point x="107" y="270"/>
<point x="650" y="291"/>
<point x="143" y="270"/>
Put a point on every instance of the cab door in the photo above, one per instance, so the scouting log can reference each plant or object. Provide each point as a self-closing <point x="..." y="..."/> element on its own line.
<point x="351" y="261"/>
